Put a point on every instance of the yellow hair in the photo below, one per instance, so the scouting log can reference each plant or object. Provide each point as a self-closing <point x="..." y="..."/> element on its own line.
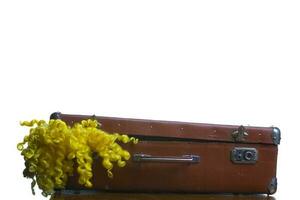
<point x="51" y="150"/>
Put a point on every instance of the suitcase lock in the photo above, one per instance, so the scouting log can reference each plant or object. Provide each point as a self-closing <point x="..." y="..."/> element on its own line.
<point x="244" y="155"/>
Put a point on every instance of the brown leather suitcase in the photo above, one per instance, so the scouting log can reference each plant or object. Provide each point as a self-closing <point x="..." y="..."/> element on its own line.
<point x="188" y="157"/>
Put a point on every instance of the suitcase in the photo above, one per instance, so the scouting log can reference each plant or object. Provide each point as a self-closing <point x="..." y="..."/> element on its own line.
<point x="187" y="157"/>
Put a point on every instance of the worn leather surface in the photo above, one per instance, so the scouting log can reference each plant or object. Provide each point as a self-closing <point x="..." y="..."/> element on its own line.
<point x="215" y="173"/>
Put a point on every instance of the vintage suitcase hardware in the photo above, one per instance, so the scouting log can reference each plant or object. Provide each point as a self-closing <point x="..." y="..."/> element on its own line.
<point x="242" y="155"/>
<point x="188" y="157"/>
<point x="240" y="134"/>
<point x="178" y="159"/>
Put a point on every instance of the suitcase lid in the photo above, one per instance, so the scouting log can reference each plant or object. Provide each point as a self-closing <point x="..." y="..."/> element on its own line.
<point x="172" y="130"/>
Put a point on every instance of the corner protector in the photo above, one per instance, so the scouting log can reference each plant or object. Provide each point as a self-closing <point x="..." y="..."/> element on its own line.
<point x="55" y="115"/>
<point x="272" y="187"/>
<point x="276" y="135"/>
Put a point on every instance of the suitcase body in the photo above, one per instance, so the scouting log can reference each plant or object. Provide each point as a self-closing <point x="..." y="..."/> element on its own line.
<point x="188" y="157"/>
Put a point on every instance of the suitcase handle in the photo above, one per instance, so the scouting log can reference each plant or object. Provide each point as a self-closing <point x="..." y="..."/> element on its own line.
<point x="172" y="159"/>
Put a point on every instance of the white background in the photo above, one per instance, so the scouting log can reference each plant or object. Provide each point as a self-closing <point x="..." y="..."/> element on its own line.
<point x="229" y="62"/>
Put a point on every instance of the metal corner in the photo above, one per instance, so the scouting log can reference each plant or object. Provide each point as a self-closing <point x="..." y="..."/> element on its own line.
<point x="55" y="115"/>
<point x="272" y="187"/>
<point x="276" y="135"/>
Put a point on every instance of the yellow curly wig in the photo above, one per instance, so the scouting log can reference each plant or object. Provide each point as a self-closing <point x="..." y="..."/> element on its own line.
<point x="51" y="150"/>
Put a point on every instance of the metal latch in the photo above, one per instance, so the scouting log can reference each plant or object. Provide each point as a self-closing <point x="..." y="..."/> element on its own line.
<point x="240" y="134"/>
<point x="244" y="155"/>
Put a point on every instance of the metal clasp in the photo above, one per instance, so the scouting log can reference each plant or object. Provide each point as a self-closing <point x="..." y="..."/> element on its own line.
<point x="240" y="134"/>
